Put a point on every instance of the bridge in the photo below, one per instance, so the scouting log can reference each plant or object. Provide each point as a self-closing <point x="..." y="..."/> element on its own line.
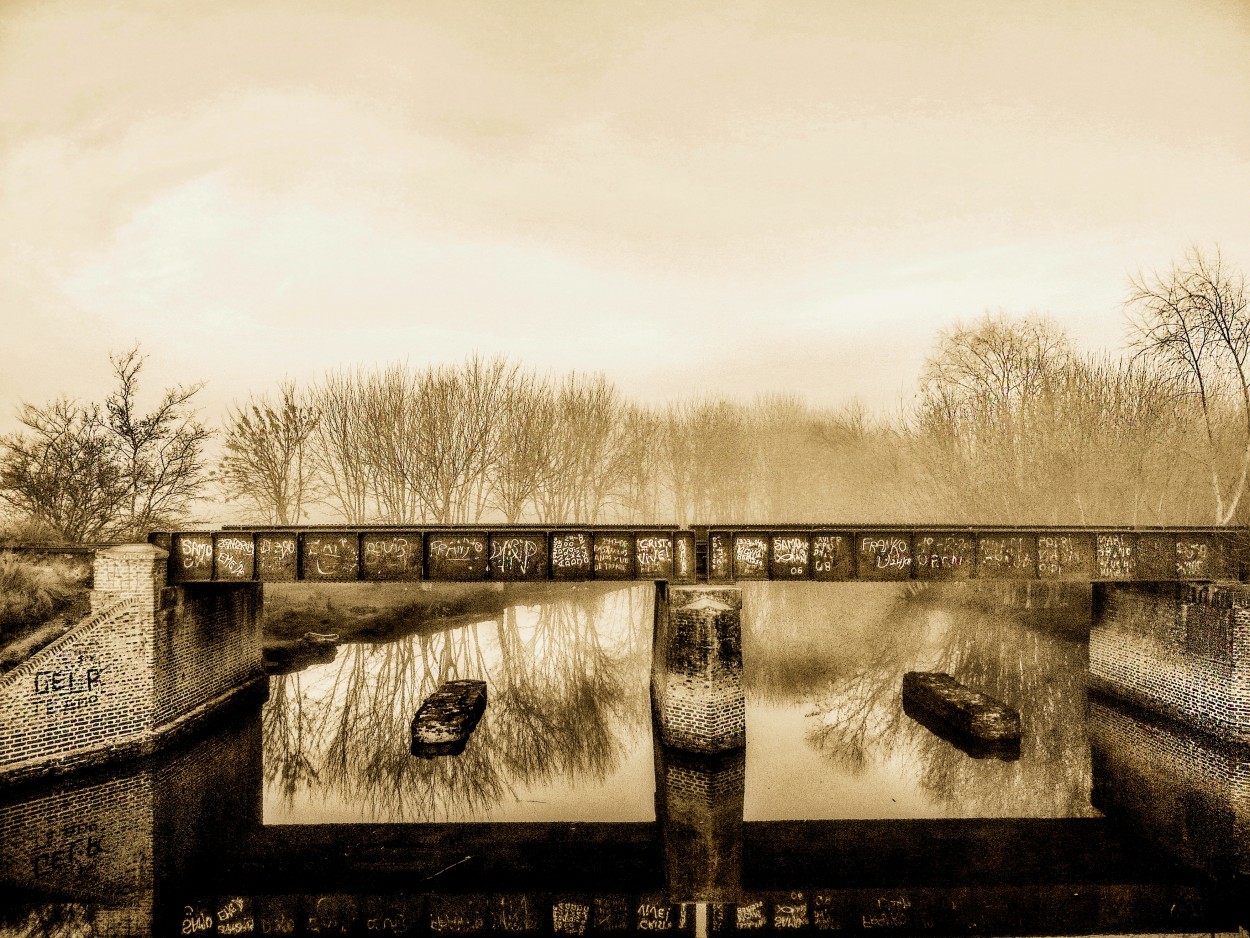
<point x="704" y="553"/>
<point x="176" y="628"/>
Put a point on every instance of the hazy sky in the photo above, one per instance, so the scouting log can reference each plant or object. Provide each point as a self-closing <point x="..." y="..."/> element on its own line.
<point x="725" y="197"/>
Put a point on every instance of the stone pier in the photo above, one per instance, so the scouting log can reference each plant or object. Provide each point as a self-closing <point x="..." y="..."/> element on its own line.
<point x="148" y="662"/>
<point x="696" y="671"/>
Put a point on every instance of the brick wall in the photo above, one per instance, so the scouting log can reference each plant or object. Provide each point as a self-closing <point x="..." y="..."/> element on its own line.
<point x="90" y="691"/>
<point x="207" y="642"/>
<point x="696" y="679"/>
<point x="1176" y="649"/>
<point x="1183" y="791"/>
<point x="91" y="841"/>
<point x="148" y="660"/>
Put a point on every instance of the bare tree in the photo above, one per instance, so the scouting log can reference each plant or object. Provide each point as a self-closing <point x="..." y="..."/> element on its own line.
<point x="267" y="457"/>
<point x="90" y="473"/>
<point x="339" y="439"/>
<point x="1193" y="323"/>
<point x="59" y="474"/>
<point x="585" y="460"/>
<point x="523" y="434"/>
<point x="160" y="453"/>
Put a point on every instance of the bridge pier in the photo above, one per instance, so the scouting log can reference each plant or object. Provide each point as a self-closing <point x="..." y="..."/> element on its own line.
<point x="149" y="662"/>
<point x="698" y="802"/>
<point x="696" y="670"/>
<point x="1178" y="650"/>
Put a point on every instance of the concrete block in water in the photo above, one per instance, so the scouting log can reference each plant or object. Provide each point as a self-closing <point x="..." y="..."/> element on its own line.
<point x="962" y="709"/>
<point x="448" y="716"/>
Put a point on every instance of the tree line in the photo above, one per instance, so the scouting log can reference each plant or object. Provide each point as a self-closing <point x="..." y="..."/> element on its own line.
<point x="1010" y="424"/>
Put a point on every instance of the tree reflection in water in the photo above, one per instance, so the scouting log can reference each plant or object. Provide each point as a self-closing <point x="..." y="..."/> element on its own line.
<point x="841" y="653"/>
<point x="567" y="696"/>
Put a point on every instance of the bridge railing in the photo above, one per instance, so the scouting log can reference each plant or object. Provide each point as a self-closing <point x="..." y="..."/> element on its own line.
<point x="717" y="553"/>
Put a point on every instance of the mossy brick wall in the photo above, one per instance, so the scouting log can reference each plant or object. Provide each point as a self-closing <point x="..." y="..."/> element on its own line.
<point x="148" y="659"/>
<point x="696" y="677"/>
<point x="1176" y="649"/>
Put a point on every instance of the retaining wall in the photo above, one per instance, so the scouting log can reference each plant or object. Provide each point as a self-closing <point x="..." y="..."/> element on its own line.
<point x="1179" y="650"/>
<point x="145" y="665"/>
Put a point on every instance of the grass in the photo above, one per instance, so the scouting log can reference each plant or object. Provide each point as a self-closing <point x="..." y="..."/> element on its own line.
<point x="39" y="599"/>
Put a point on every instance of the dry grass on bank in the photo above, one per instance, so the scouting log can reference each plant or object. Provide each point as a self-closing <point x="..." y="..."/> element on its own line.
<point x="39" y="600"/>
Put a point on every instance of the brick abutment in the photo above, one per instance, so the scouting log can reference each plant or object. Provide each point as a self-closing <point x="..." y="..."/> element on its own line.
<point x="146" y="664"/>
<point x="1177" y="650"/>
<point x="696" y="671"/>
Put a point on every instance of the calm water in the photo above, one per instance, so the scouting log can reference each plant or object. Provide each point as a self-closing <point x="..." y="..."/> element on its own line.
<point x="567" y="731"/>
<point x="307" y="814"/>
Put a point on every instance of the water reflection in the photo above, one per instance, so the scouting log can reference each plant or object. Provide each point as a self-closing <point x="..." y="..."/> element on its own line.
<point x="852" y="647"/>
<point x="1187" y="793"/>
<point x="88" y="854"/>
<point x="132" y="852"/>
<point x="567" y="686"/>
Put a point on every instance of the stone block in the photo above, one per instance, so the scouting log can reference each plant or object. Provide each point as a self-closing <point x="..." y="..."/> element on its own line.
<point x="965" y="710"/>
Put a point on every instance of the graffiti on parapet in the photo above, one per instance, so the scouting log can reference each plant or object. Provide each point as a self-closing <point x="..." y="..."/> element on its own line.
<point x="886" y="553"/>
<point x="67" y="690"/>
<point x="512" y="557"/>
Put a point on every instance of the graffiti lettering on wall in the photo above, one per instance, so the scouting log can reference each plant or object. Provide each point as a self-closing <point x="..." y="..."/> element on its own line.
<point x="330" y="557"/>
<point x="655" y="556"/>
<point x="889" y="913"/>
<point x="886" y="553"/>
<point x="570" y="555"/>
<point x="1191" y="559"/>
<point x="71" y="849"/>
<point x="196" y="552"/>
<point x="391" y="555"/>
<point x="512" y="557"/>
<point x="67" y="690"/>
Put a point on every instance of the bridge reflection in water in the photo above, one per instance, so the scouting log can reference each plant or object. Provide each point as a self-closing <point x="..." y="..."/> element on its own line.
<point x="187" y="844"/>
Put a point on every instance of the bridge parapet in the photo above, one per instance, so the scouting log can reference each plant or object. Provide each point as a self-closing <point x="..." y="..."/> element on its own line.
<point x="717" y="553"/>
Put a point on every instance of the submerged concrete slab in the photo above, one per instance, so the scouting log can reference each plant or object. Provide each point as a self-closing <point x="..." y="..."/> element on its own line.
<point x="962" y="709"/>
<point x="446" y="719"/>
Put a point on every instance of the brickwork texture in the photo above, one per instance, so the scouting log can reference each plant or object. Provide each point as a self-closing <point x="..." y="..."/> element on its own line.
<point x="1184" y="791"/>
<point x="1175" y="649"/>
<point x="696" y="678"/>
<point x="148" y="659"/>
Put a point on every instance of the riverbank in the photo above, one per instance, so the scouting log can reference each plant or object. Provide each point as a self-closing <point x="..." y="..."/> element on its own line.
<point x="41" y="597"/>
<point x="305" y="622"/>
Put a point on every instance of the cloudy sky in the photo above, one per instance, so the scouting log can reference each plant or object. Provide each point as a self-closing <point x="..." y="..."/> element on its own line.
<point x="728" y="197"/>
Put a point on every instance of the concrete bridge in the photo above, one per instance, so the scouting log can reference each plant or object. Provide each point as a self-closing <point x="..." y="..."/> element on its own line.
<point x="711" y="553"/>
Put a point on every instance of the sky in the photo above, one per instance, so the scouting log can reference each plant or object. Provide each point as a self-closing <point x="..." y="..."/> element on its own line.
<point x="730" y="198"/>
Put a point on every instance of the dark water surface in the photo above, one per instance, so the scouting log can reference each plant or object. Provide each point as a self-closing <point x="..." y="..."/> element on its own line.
<point x="306" y="813"/>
